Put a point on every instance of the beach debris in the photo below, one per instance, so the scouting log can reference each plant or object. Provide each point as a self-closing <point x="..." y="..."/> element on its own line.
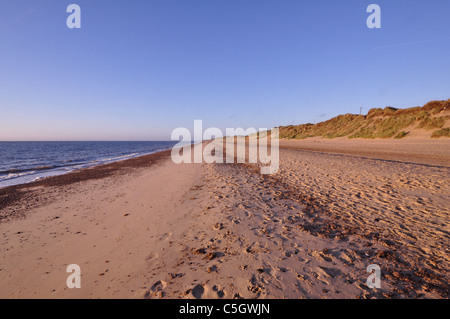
<point x="211" y="256"/>
<point x="218" y="226"/>
<point x="212" y="269"/>
<point x="200" y="251"/>
<point x="173" y="276"/>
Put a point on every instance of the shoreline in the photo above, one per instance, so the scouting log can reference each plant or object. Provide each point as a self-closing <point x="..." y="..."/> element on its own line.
<point x="10" y="195"/>
<point x="51" y="169"/>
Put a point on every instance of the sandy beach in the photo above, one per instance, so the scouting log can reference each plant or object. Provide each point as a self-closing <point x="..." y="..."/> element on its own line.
<point x="149" y="228"/>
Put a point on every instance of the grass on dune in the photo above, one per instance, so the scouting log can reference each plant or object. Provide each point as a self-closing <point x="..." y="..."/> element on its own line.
<point x="378" y="123"/>
<point x="441" y="133"/>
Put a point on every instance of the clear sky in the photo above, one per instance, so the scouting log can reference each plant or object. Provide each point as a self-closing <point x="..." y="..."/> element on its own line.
<point x="138" y="69"/>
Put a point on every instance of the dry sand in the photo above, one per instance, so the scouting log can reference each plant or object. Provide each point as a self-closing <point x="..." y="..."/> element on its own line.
<point x="144" y="229"/>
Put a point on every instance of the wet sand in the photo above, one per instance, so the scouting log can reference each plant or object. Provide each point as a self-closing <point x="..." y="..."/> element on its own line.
<point x="148" y="228"/>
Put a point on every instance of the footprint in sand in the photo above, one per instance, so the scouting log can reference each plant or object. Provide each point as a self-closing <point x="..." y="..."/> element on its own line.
<point x="220" y="292"/>
<point x="157" y="290"/>
<point x="198" y="291"/>
<point x="166" y="236"/>
<point x="256" y="287"/>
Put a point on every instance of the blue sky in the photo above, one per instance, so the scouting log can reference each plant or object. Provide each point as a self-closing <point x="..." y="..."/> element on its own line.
<point x="138" y="69"/>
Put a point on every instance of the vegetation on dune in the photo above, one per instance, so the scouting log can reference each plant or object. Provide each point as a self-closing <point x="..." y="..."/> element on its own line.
<point x="442" y="132"/>
<point x="402" y="134"/>
<point x="378" y="123"/>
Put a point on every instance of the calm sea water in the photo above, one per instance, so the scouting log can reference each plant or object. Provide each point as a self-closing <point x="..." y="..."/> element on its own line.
<point x="24" y="162"/>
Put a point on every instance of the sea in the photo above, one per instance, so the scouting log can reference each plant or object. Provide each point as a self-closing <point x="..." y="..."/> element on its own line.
<point x="25" y="162"/>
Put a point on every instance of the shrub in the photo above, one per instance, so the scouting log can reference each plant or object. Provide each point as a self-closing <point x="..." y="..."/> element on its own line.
<point x="402" y="134"/>
<point x="444" y="132"/>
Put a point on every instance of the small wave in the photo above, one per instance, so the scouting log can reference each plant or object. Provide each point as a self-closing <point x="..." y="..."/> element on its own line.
<point x="24" y="170"/>
<point x="118" y="157"/>
<point x="45" y="167"/>
<point x="16" y="175"/>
